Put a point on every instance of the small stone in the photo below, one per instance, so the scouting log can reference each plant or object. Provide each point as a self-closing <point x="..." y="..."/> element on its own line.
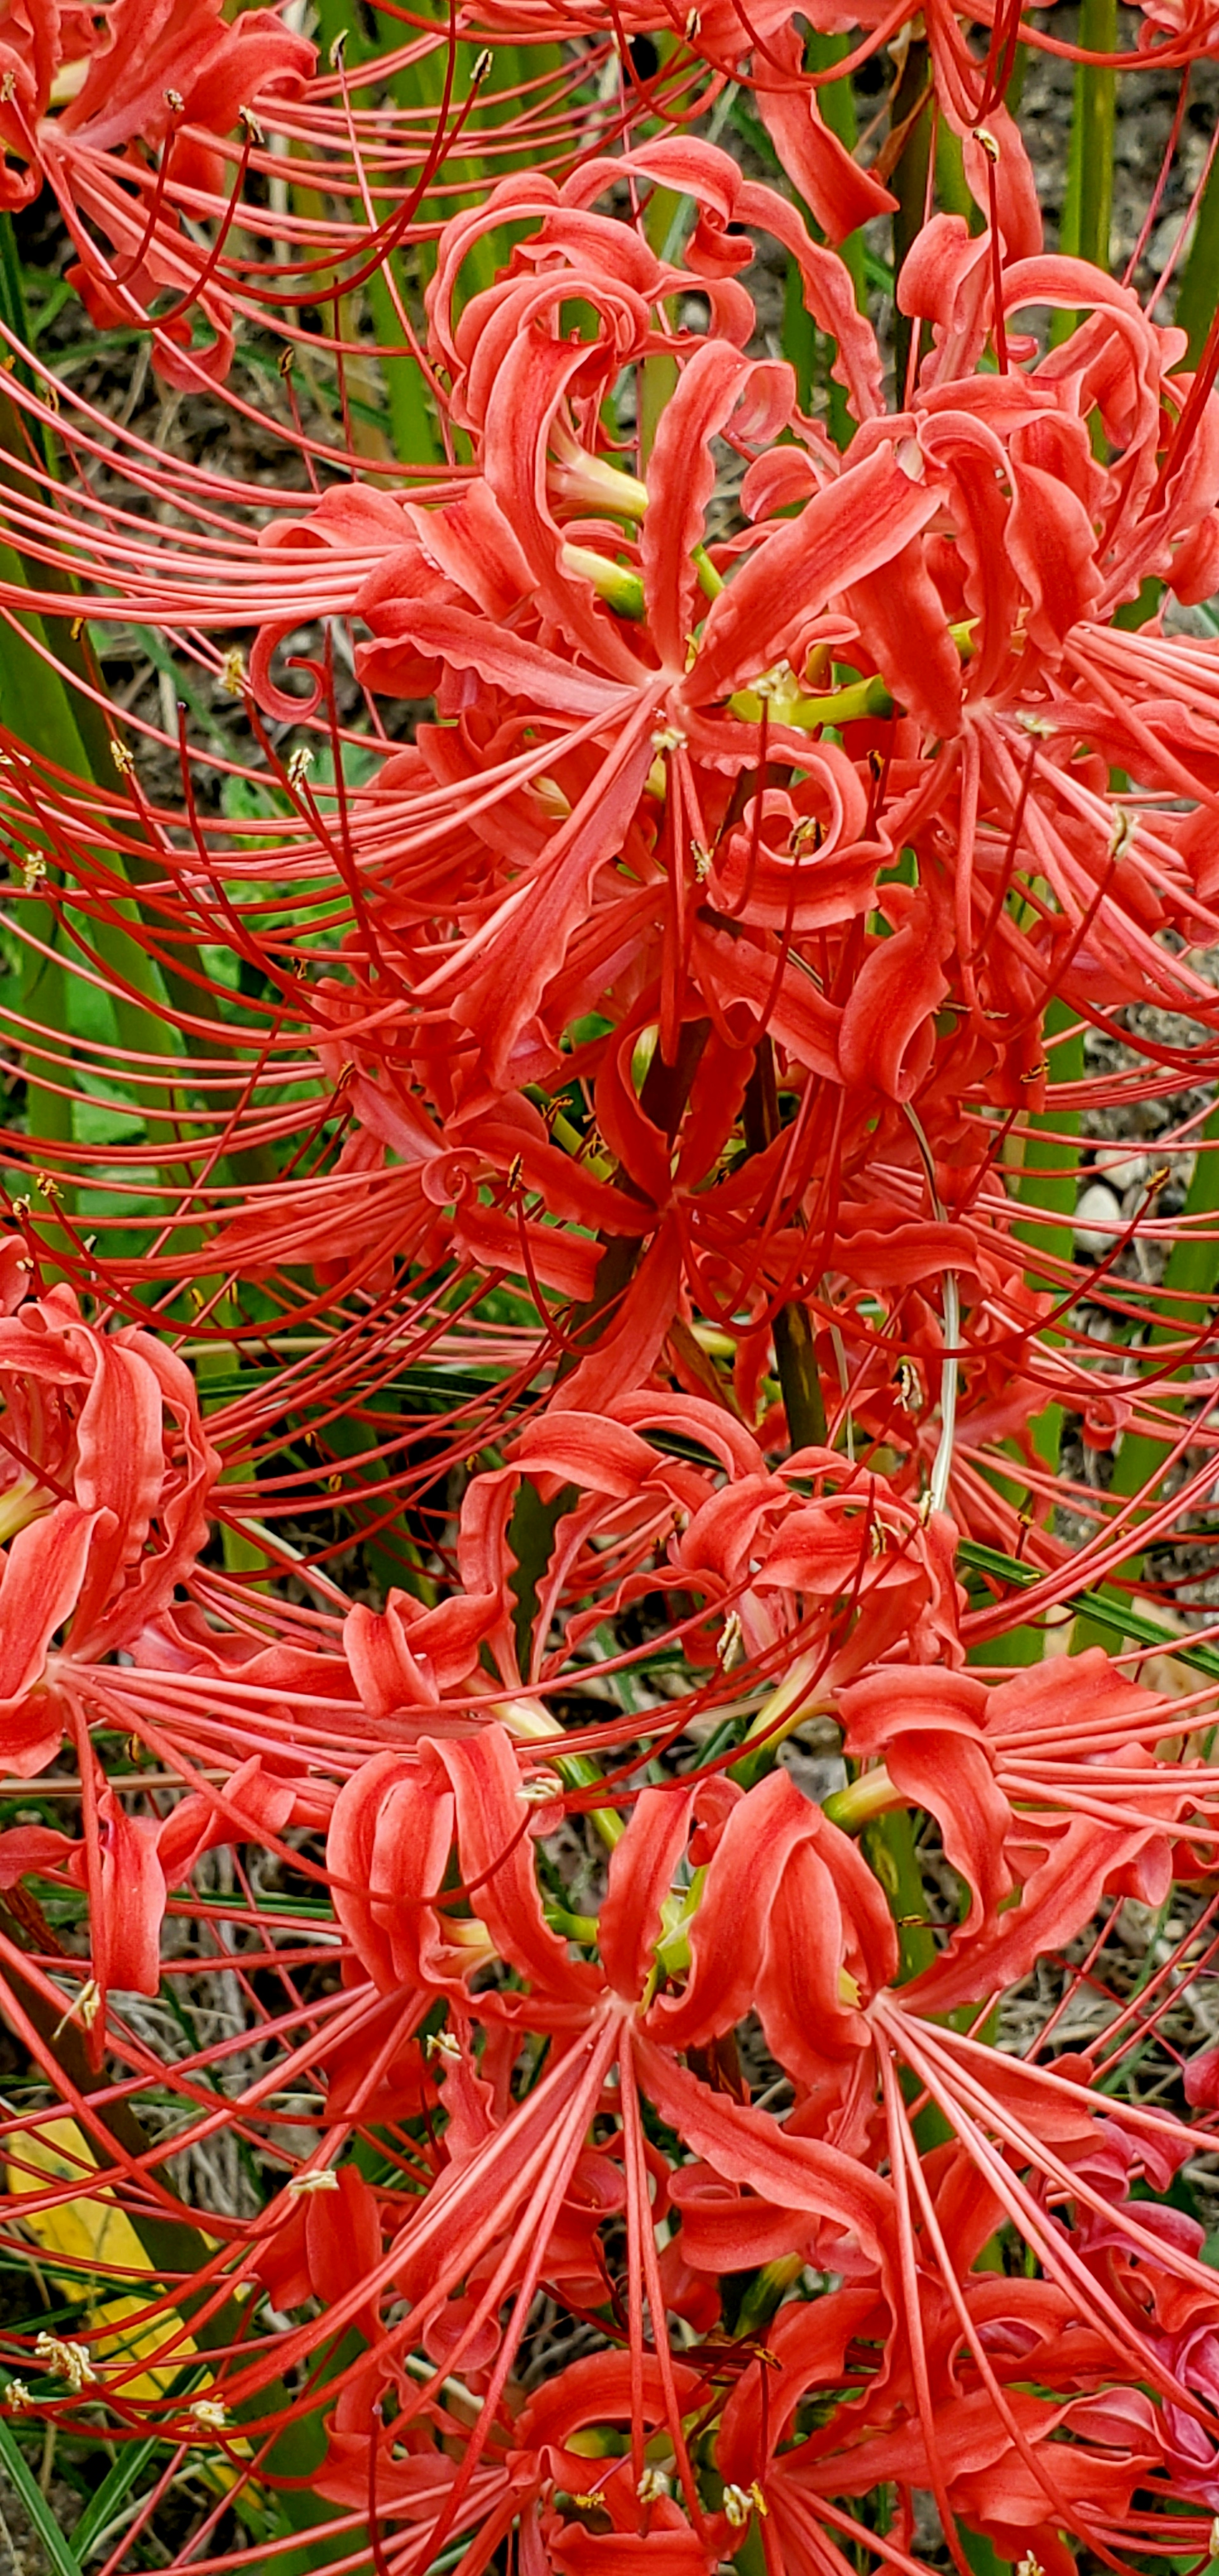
<point x="1098" y="1220"/>
<point x="1121" y="1168"/>
<point x="1164" y="241"/>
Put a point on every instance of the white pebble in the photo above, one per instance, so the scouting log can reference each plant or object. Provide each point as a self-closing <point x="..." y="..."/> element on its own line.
<point x="1120" y="1167"/>
<point x="1098" y="1220"/>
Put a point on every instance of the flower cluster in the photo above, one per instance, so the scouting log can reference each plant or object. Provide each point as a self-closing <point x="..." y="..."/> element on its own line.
<point x="536" y="1302"/>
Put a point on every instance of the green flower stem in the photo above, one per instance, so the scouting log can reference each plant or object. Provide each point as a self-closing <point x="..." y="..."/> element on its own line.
<point x="1200" y="282"/>
<point x="795" y="1348"/>
<point x="1088" y="206"/>
<point x="914" y="109"/>
<point x="1049" y="1179"/>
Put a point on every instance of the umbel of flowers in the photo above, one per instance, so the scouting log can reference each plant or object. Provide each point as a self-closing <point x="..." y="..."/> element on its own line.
<point x="535" y="1292"/>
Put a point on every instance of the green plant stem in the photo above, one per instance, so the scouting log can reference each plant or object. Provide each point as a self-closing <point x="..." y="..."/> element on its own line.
<point x="795" y="1350"/>
<point x="909" y="184"/>
<point x="1199" y="290"/>
<point x="1049" y="1180"/>
<point x="1088" y="206"/>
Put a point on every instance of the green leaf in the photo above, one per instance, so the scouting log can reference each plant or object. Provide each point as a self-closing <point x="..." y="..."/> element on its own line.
<point x="61" y="2560"/>
<point x="112" y="2495"/>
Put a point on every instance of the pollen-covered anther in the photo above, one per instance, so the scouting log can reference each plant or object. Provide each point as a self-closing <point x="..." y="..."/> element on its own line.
<point x="122" y="755"/>
<point x="731" y="1646"/>
<point x="250" y="125"/>
<point x="208" y="2414"/>
<point x="86" y="2005"/>
<point x="234" y="678"/>
<point x="299" y="765"/>
<point x="769" y="683"/>
<point x="17" y="2396"/>
<point x="175" y="102"/>
<point x="325" y="2179"/>
<point x="540" y="1790"/>
<point x="442" y="2043"/>
<point x="701" y="856"/>
<point x="668" y="738"/>
<point x="68" y="2361"/>
<point x="654" y="2486"/>
<point x="909" y="1387"/>
<point x="738" y="2505"/>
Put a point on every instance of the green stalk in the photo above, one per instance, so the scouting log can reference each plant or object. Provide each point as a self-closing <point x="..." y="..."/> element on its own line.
<point x="1199" y="290"/>
<point x="795" y="1352"/>
<point x="1045" y="1183"/>
<point x="909" y="184"/>
<point x="1088" y="205"/>
<point x="656" y="377"/>
<point x="809" y="351"/>
<point x="1192" y="1271"/>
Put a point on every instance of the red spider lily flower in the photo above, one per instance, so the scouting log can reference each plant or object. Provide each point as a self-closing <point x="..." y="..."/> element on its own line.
<point x="1012" y="1765"/>
<point x="515" y="2196"/>
<point x="104" y="1505"/>
<point x="185" y="46"/>
<point x="130" y="1864"/>
<point x="573" y="2509"/>
<point x="839" y="1573"/>
<point x="388" y="1849"/>
<point x="637" y="725"/>
<point x="174" y="78"/>
<point x="1015" y="2483"/>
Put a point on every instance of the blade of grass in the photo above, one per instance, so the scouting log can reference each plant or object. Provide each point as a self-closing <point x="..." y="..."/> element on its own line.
<point x="60" y="2557"/>
<point x="112" y="2495"/>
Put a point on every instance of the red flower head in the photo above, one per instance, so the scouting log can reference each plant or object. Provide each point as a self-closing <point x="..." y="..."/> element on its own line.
<point x="103" y="1505"/>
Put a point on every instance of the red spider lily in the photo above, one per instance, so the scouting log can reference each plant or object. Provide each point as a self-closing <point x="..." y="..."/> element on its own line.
<point x="172" y="78"/>
<point x="130" y="1865"/>
<point x="1076" y="1738"/>
<point x="106" y="1482"/>
<point x="635" y="1303"/>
